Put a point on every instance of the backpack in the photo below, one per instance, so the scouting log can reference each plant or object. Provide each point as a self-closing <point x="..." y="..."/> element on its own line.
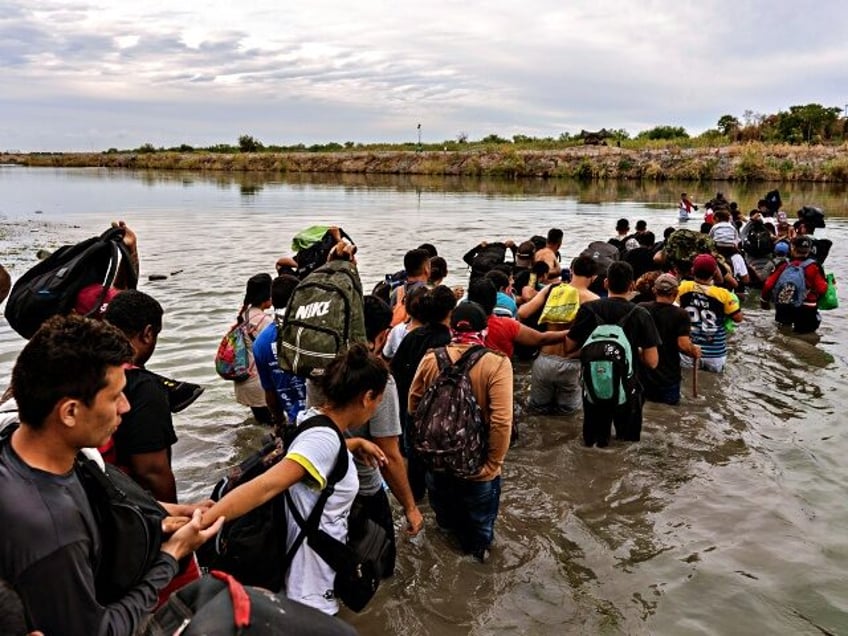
<point x="604" y="254"/>
<point x="812" y="215"/>
<point x="683" y="245"/>
<point x="487" y="258"/>
<point x="791" y="285"/>
<point x="448" y="430"/>
<point x="312" y="250"/>
<point x="218" y="604"/>
<point x="562" y="305"/>
<point x="383" y="289"/>
<point x="325" y="315"/>
<point x="759" y="242"/>
<point x="253" y="547"/>
<point x="606" y="361"/>
<point x="773" y="201"/>
<point x="232" y="360"/>
<point x="51" y="287"/>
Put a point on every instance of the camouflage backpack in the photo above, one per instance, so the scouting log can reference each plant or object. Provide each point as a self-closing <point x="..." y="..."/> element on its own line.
<point x="684" y="245"/>
<point x="448" y="429"/>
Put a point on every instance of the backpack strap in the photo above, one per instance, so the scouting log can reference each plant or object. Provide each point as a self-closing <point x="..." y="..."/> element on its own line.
<point x="626" y="316"/>
<point x="470" y="357"/>
<point x="442" y="358"/>
<point x="310" y="525"/>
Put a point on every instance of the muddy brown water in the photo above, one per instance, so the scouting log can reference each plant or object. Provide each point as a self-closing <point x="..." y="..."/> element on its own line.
<point x="730" y="516"/>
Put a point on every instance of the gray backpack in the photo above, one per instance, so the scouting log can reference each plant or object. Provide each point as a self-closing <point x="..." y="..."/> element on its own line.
<point x="325" y="315"/>
<point x="448" y="429"/>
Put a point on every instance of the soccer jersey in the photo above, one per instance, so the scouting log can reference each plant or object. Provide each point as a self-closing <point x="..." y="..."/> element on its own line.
<point x="708" y="307"/>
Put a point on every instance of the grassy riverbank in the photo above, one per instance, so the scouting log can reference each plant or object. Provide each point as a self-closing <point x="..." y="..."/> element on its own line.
<point x="738" y="162"/>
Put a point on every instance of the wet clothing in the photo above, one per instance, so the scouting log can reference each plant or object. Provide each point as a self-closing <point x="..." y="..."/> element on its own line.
<point x="806" y="318"/>
<point x="708" y="307"/>
<point x="672" y="322"/>
<point x="555" y="384"/>
<point x="50" y="550"/>
<point x="641" y="259"/>
<point x="502" y="333"/>
<point x="290" y="389"/>
<point x="641" y="333"/>
<point x="249" y="392"/>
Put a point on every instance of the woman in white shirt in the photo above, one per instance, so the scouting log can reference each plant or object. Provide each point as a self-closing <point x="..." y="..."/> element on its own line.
<point x="354" y="383"/>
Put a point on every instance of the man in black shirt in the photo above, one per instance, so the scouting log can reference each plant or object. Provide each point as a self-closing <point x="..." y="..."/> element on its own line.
<point x="662" y="384"/>
<point x="142" y="444"/>
<point x="68" y="382"/>
<point x="644" y="340"/>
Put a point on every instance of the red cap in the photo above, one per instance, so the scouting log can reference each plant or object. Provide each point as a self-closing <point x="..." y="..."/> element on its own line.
<point x="704" y="266"/>
<point x="89" y="295"/>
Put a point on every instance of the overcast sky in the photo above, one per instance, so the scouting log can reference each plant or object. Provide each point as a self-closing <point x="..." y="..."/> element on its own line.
<point x="89" y="75"/>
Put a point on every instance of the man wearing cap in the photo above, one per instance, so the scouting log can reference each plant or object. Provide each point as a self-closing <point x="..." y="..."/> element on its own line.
<point x="521" y="272"/>
<point x="804" y="318"/>
<point x="708" y="307"/>
<point x="662" y="384"/>
<point x="469" y="507"/>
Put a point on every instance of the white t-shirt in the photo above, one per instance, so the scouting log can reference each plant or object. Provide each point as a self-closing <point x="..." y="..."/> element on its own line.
<point x="309" y="579"/>
<point x="739" y="267"/>
<point x="396" y="336"/>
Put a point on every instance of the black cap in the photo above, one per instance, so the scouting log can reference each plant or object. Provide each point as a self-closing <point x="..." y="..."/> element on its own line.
<point x="469" y="316"/>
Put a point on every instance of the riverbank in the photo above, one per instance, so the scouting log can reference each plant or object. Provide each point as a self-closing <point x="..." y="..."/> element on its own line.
<point x="745" y="162"/>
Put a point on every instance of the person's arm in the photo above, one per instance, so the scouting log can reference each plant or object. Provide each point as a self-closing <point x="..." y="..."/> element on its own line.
<point x="500" y="387"/>
<point x="650" y="357"/>
<point x="153" y="472"/>
<point x="468" y="257"/>
<point x="536" y="302"/>
<point x="423" y="378"/>
<point x="686" y="347"/>
<point x="256" y="492"/>
<point x="394" y="472"/>
<point x="272" y="400"/>
<point x="530" y="337"/>
<point x="131" y="243"/>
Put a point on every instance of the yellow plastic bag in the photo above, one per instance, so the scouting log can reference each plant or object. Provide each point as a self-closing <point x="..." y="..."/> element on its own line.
<point x="562" y="305"/>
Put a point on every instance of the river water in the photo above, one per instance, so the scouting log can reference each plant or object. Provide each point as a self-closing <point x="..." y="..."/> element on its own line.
<point x="730" y="516"/>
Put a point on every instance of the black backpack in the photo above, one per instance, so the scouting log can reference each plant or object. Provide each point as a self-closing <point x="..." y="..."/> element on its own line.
<point x="773" y="201"/>
<point x="253" y="547"/>
<point x="218" y="604"/>
<point x="487" y="258"/>
<point x="311" y="258"/>
<point x="448" y="430"/>
<point x="50" y="288"/>
<point x="759" y="242"/>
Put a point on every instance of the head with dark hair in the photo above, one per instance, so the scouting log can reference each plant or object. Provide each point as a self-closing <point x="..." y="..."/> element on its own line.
<point x="538" y="241"/>
<point x="619" y="277"/>
<point x="483" y="292"/>
<point x="69" y="357"/>
<point x="131" y="311"/>
<point x="414" y="301"/>
<point x="438" y="269"/>
<point x="641" y="225"/>
<point x="355" y="380"/>
<point x="555" y="237"/>
<point x="706" y="227"/>
<point x="500" y="280"/>
<point x="139" y="316"/>
<point x="668" y="232"/>
<point x="722" y="215"/>
<point x="416" y="262"/>
<point x="12" y="617"/>
<point x="438" y="304"/>
<point x="258" y="290"/>
<point x="541" y="269"/>
<point x="430" y="249"/>
<point x="646" y="239"/>
<point x="645" y="283"/>
<point x="622" y="226"/>
<point x="281" y="290"/>
<point x="378" y="317"/>
<point x="585" y="266"/>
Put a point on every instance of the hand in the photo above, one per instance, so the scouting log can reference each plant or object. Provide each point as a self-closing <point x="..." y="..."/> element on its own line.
<point x="696" y="352"/>
<point x="343" y="251"/>
<point x="510" y="244"/>
<point x="171" y="524"/>
<point x="483" y="244"/>
<point x="414" y="521"/>
<point x="190" y="537"/>
<point x="458" y="292"/>
<point x="187" y="510"/>
<point x="130" y="239"/>
<point x="369" y="453"/>
<point x="335" y="232"/>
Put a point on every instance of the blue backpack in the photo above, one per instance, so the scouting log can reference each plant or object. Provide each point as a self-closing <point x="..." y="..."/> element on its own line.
<point x="791" y="286"/>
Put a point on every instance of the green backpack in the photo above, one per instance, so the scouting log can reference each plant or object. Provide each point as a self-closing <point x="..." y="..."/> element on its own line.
<point x="606" y="362"/>
<point x="325" y="315"/>
<point x="684" y="245"/>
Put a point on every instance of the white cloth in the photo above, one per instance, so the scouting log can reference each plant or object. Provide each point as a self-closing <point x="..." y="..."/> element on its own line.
<point x="724" y="233"/>
<point x="396" y="336"/>
<point x="740" y="269"/>
<point x="309" y="579"/>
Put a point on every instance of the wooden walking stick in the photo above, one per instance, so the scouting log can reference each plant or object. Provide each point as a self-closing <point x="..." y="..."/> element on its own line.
<point x="695" y="378"/>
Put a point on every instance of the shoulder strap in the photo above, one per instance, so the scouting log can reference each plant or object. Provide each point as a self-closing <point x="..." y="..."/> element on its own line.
<point x="310" y="525"/>
<point x="470" y="357"/>
<point x="626" y="317"/>
<point x="442" y="358"/>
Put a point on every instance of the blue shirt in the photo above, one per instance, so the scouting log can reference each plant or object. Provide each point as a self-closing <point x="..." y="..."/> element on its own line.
<point x="505" y="306"/>
<point x="290" y="389"/>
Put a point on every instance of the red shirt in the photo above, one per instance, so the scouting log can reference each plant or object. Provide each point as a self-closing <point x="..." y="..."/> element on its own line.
<point x="502" y="333"/>
<point x="813" y="277"/>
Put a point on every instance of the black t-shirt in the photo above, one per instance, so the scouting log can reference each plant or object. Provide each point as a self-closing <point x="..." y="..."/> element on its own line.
<point x="639" y="327"/>
<point x="641" y="259"/>
<point x="672" y="322"/>
<point x="148" y="426"/>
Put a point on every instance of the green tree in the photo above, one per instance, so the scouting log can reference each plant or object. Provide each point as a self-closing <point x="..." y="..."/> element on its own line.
<point x="728" y="124"/>
<point x="664" y="132"/>
<point x="247" y="143"/>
